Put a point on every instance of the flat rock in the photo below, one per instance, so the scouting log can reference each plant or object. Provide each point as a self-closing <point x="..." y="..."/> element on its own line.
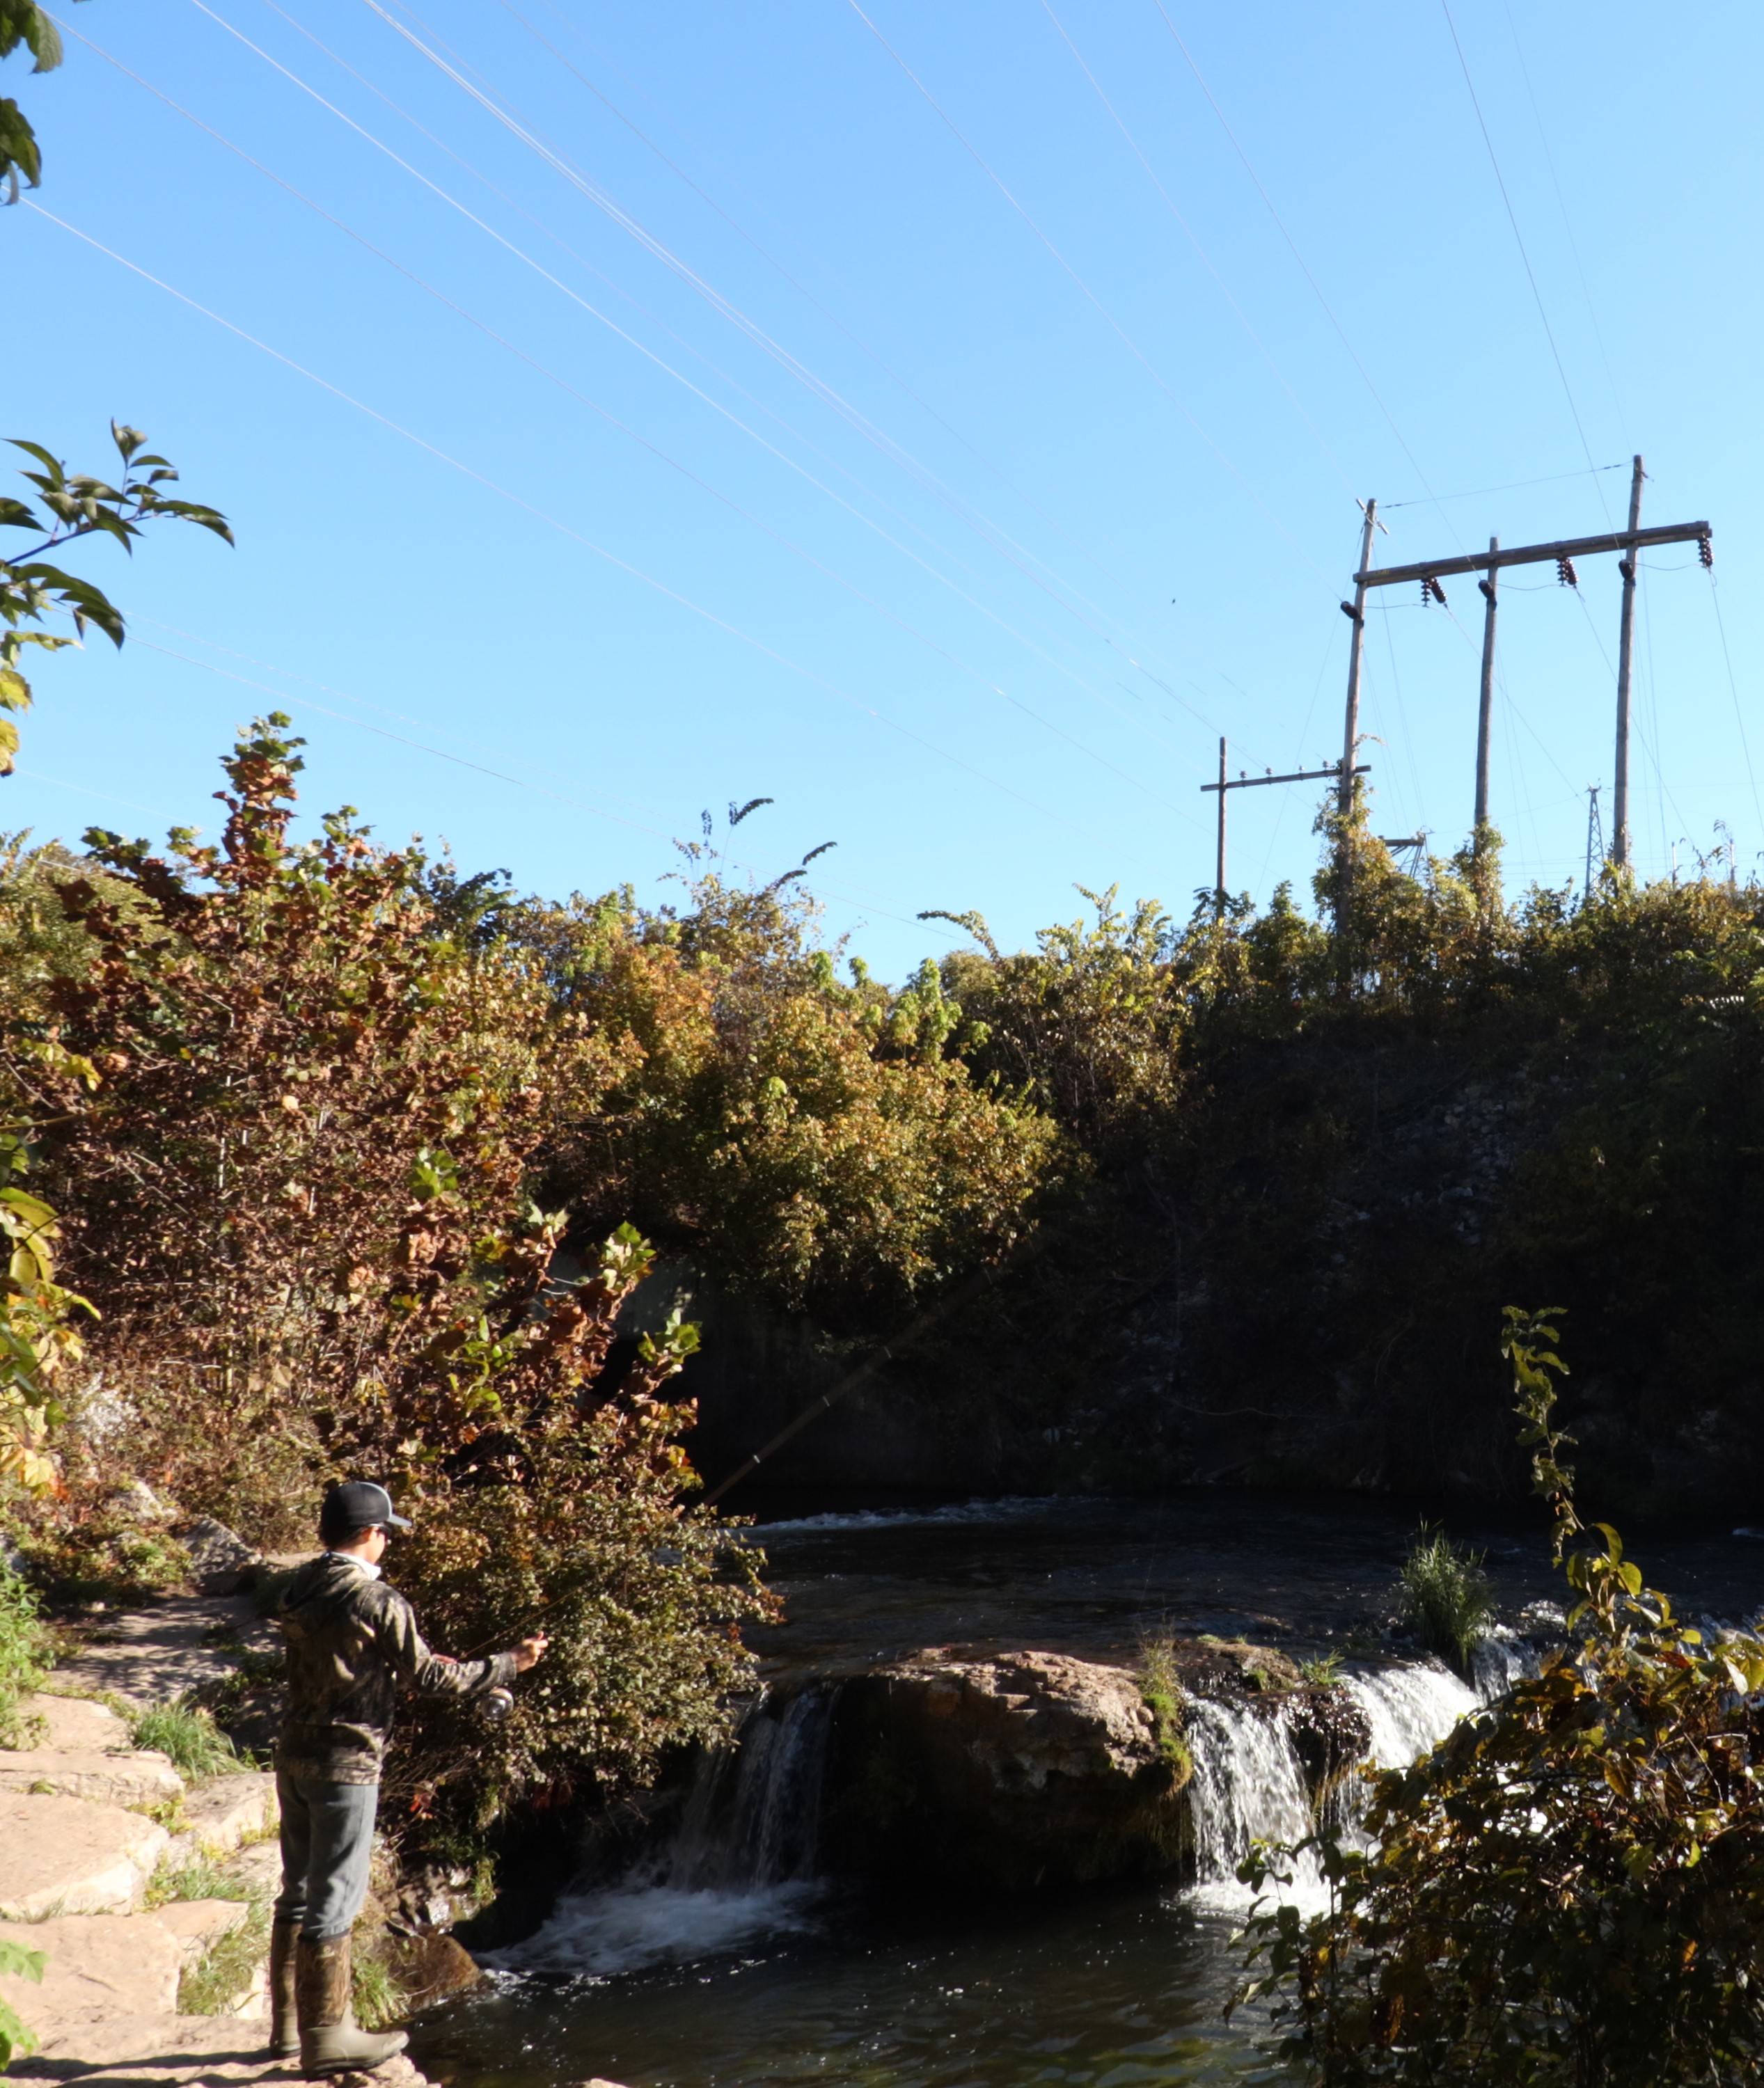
<point x="77" y="1724"/>
<point x="139" y="1778"/>
<point x="231" y="1809"/>
<point x="166" y="1649"/>
<point x="100" y="1965"/>
<point x="72" y="1855"/>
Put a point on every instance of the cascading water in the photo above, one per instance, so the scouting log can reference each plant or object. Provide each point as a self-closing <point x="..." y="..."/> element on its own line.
<point x="1250" y="1785"/>
<point x="1409" y="1710"/>
<point x="740" y="1866"/>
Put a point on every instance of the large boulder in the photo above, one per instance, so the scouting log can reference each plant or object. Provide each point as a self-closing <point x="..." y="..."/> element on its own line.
<point x="1022" y="1769"/>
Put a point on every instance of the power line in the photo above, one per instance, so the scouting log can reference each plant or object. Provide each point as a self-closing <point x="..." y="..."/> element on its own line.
<point x="1304" y="266"/>
<point x="551" y="521"/>
<point x="867" y="521"/>
<point x="1567" y="222"/>
<point x="1114" y="324"/>
<point x="1188" y="234"/>
<point x="1518" y="240"/>
<point x="1739" y="713"/>
<point x="995" y="539"/>
<point x="1476" y="492"/>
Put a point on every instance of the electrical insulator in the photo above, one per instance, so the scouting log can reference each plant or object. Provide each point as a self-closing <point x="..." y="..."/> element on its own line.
<point x="1431" y="590"/>
<point x="1705" y="551"/>
<point x="1486" y="590"/>
<point x="1564" y="572"/>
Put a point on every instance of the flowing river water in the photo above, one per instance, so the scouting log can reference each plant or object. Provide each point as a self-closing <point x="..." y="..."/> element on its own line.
<point x="725" y="1959"/>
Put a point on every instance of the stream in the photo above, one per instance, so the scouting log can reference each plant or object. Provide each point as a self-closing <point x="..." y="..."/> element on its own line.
<point x="726" y="1959"/>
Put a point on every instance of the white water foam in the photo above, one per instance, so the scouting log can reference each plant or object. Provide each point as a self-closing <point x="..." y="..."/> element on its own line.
<point x="1248" y="1786"/>
<point x="1410" y="1710"/>
<point x="600" y="1935"/>
<point x="739" y="1870"/>
<point x="1007" y="1509"/>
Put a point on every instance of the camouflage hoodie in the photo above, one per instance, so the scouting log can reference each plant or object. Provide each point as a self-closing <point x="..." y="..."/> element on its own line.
<point x="351" y="1641"/>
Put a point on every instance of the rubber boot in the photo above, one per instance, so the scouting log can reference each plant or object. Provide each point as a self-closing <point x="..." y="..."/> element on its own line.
<point x="284" y="2015"/>
<point x="329" y="2041"/>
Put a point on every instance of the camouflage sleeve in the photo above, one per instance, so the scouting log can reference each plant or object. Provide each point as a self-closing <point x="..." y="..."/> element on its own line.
<point x="433" y="1673"/>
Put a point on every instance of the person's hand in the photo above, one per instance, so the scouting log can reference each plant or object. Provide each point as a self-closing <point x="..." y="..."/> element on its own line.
<point x="530" y="1652"/>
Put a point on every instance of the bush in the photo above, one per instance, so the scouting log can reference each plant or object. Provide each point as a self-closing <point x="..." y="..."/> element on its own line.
<point x="1447" y="1599"/>
<point x="25" y="1653"/>
<point x="1568" y="1892"/>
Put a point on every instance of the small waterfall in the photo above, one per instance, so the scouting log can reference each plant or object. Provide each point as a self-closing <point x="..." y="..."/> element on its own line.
<point x="1410" y="1710"/>
<point x="740" y="1868"/>
<point x="1248" y="1786"/>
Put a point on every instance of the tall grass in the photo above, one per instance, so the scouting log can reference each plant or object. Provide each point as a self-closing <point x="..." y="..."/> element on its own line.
<point x="1447" y="1599"/>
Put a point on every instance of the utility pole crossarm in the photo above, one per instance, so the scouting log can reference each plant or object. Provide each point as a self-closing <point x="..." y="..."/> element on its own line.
<point x="1298" y="776"/>
<point x="1532" y="554"/>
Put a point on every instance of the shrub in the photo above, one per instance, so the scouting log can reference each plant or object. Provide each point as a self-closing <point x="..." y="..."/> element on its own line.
<point x="25" y="1653"/>
<point x="1568" y="1892"/>
<point x="1446" y="1596"/>
<point x="17" y="1962"/>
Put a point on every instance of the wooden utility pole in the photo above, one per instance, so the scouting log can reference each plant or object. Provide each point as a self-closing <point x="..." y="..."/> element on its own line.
<point x="1486" y="707"/>
<point x="1242" y="782"/>
<point x="1628" y="542"/>
<point x="1356" y="646"/>
<point x="1620" y="819"/>
<point x="1218" y="875"/>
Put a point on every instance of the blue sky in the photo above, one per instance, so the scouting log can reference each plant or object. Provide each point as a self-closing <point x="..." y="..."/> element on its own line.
<point x="946" y="423"/>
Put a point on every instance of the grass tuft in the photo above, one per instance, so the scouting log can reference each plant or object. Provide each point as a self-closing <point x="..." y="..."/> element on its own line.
<point x="221" y="1977"/>
<point x="1447" y="1597"/>
<point x="1323" y="1671"/>
<point x="1160" y="1686"/>
<point x="189" y="1734"/>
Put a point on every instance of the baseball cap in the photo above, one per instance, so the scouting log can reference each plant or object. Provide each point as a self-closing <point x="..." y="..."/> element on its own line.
<point x="358" y="1504"/>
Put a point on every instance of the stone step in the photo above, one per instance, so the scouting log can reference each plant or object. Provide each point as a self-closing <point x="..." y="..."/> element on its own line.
<point x="77" y="1724"/>
<point x="229" y="1810"/>
<point x="100" y="1965"/>
<point x="139" y="1778"/>
<point x="72" y="1855"/>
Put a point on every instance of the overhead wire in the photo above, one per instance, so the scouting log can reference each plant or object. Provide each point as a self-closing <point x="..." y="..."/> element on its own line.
<point x="918" y="399"/>
<point x="1512" y="485"/>
<point x="1114" y="324"/>
<point x="1304" y="266"/>
<point x="493" y="105"/>
<point x="996" y="539"/>
<point x="791" y="463"/>
<point x="1518" y="240"/>
<point x="1188" y="234"/>
<point x="611" y="559"/>
<point x="1567" y="221"/>
<point x="1739" y="713"/>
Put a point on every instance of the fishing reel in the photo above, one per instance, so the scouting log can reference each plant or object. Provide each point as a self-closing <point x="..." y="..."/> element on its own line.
<point x="496" y="1704"/>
